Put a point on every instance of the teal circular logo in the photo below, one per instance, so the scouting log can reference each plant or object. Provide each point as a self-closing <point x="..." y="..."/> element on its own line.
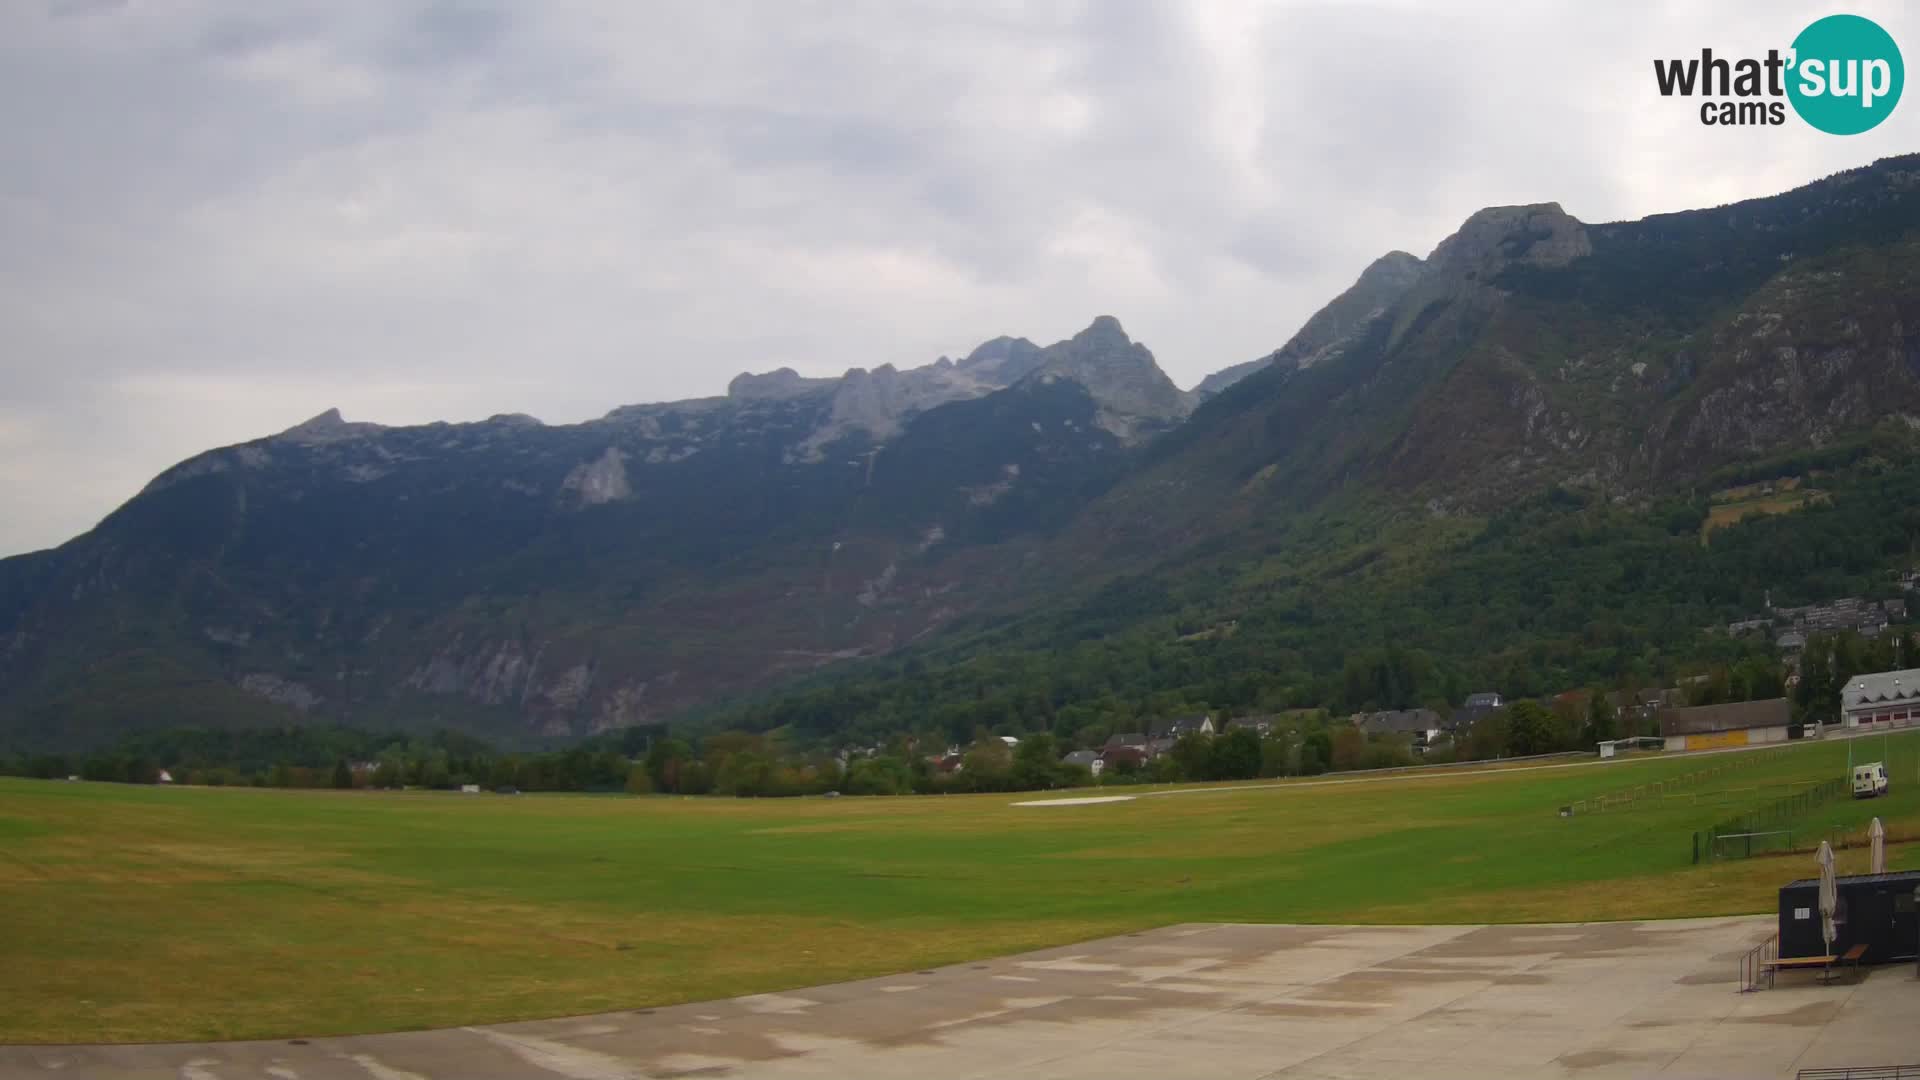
<point x="1846" y="75"/>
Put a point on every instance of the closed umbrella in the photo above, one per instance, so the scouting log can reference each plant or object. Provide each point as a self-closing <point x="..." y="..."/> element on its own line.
<point x="1877" y="841"/>
<point x="1829" y="894"/>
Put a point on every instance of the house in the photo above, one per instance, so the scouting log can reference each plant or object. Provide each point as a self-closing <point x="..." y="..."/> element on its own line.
<point x="1737" y="723"/>
<point x="1259" y="725"/>
<point x="1198" y="724"/>
<point x="1136" y="740"/>
<point x="1112" y="756"/>
<point x="1010" y="741"/>
<point x="1888" y="699"/>
<point x="1421" y="725"/>
<point x="1471" y="710"/>
<point x="1639" y="710"/>
<point x="1087" y="759"/>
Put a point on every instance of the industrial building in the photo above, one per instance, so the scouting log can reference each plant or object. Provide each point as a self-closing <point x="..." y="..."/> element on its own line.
<point x="1737" y="723"/>
<point x="1888" y="699"/>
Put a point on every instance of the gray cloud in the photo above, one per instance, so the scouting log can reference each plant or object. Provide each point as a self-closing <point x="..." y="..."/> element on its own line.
<point x="218" y="218"/>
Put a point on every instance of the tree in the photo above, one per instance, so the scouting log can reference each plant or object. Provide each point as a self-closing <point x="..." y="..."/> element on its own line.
<point x="1193" y="754"/>
<point x="1035" y="764"/>
<point x="1348" y="747"/>
<point x="1600" y="723"/>
<point x="1530" y="729"/>
<point x="664" y="762"/>
<point x="878" y="776"/>
<point x="986" y="764"/>
<point x="1236" y="756"/>
<point x="639" y="782"/>
<point x="342" y="774"/>
<point x="1274" y="754"/>
<point x="1316" y="753"/>
<point x="1488" y="737"/>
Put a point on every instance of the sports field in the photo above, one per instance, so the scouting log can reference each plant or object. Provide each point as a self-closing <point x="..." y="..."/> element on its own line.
<point x="141" y="914"/>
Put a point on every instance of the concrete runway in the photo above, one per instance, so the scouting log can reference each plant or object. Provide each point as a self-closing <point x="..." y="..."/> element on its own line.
<point x="1596" y="1000"/>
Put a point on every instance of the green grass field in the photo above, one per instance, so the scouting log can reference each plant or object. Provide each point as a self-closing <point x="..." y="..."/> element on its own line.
<point x="135" y="914"/>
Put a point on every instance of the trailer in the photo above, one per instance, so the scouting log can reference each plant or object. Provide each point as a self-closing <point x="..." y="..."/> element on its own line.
<point x="1875" y="910"/>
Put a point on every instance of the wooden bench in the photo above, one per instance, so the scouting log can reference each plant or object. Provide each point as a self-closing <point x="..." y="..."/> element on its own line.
<point x="1824" y="963"/>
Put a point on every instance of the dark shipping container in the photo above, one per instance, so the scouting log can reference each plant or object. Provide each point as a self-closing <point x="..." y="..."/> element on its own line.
<point x="1875" y="910"/>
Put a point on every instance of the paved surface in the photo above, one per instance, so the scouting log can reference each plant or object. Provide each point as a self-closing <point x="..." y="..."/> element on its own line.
<point x="1229" y="1001"/>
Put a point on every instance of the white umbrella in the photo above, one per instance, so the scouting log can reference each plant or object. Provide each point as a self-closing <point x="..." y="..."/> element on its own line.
<point x="1877" y="838"/>
<point x="1829" y="893"/>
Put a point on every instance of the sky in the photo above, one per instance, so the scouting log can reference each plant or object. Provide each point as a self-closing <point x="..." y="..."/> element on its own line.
<point x="219" y="219"/>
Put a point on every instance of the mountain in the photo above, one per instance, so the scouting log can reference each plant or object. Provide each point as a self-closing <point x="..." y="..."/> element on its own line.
<point x="524" y="580"/>
<point x="1333" y="328"/>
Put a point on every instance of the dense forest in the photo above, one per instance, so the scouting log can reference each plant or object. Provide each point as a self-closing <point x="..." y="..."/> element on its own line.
<point x="1552" y="602"/>
<point x="1357" y="610"/>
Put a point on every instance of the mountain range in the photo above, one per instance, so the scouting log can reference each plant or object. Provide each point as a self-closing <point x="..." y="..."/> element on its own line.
<point x="524" y="580"/>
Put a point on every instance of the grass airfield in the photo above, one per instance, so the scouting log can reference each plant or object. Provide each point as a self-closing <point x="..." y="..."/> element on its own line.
<point x="159" y="914"/>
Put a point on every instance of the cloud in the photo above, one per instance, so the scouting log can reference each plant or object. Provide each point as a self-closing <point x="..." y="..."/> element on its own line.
<point x="219" y="218"/>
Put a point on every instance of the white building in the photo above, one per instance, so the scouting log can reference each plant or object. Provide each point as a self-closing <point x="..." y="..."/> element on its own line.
<point x="1890" y="699"/>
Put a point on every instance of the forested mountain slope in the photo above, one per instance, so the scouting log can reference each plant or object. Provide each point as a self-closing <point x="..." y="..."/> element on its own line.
<point x="1537" y="388"/>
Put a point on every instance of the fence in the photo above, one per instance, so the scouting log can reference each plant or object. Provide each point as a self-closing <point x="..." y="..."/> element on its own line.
<point x="1662" y="789"/>
<point x="1767" y="828"/>
<point x="1862" y="1072"/>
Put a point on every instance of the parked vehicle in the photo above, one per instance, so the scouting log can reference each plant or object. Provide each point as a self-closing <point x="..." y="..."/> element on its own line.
<point x="1870" y="780"/>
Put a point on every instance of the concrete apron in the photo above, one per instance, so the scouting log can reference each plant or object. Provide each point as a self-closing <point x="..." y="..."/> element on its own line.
<point x="1588" y="1000"/>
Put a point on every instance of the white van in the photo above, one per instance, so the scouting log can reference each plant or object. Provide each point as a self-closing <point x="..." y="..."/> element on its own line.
<point x="1870" y="780"/>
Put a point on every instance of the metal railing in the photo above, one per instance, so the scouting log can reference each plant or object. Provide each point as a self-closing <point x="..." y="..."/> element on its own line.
<point x="1862" y="1072"/>
<point x="1756" y="966"/>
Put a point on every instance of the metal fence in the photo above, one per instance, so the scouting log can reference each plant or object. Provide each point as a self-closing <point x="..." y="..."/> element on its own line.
<point x="1862" y="1072"/>
<point x="1663" y="789"/>
<point x="1765" y="828"/>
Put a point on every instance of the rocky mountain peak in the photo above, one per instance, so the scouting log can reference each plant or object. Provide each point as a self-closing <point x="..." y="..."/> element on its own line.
<point x="1005" y="359"/>
<point x="1334" y="327"/>
<point x="327" y="427"/>
<point x="774" y="385"/>
<point x="1104" y="328"/>
<point x="1134" y="395"/>
<point x="1540" y="234"/>
<point x="1394" y="270"/>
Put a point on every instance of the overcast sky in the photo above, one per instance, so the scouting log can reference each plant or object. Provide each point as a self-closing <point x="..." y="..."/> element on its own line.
<point x="218" y="219"/>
